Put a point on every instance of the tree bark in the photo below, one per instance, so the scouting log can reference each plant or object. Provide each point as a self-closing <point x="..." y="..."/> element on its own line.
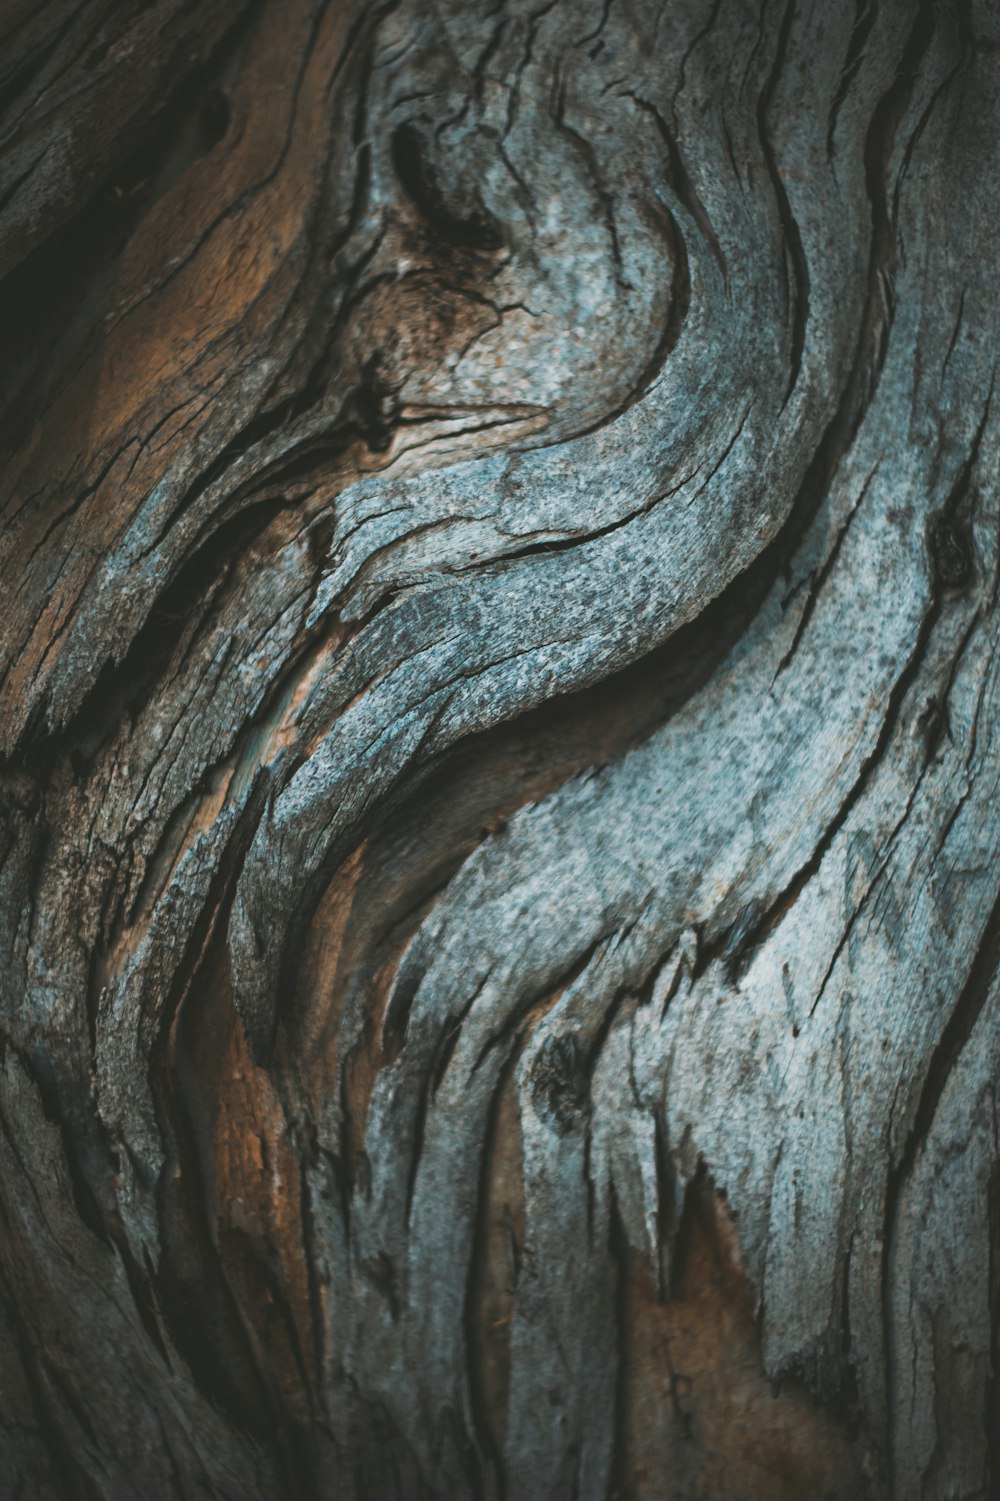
<point x="499" y="717"/>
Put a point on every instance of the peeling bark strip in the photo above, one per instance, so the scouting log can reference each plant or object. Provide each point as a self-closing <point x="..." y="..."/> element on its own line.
<point x="500" y="728"/>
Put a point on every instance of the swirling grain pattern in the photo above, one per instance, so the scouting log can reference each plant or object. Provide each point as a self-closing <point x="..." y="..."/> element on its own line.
<point x="500" y="718"/>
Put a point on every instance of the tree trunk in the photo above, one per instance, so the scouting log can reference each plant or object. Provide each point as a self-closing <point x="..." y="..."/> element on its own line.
<point x="500" y="715"/>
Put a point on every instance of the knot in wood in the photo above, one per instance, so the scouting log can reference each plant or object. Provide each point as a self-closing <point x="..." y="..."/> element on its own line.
<point x="558" y="1081"/>
<point x="455" y="214"/>
<point x="951" y="552"/>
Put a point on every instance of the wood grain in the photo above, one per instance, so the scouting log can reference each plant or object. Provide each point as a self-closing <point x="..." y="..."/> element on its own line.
<point x="499" y="727"/>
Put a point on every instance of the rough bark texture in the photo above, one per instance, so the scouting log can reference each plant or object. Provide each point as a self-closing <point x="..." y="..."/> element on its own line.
<point x="500" y="717"/>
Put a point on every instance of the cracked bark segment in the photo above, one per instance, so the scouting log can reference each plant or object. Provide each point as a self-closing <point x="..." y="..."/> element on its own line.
<point x="80" y="85"/>
<point x="499" y="687"/>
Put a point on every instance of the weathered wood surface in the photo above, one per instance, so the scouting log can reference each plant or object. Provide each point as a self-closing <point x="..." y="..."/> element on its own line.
<point x="500" y="721"/>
